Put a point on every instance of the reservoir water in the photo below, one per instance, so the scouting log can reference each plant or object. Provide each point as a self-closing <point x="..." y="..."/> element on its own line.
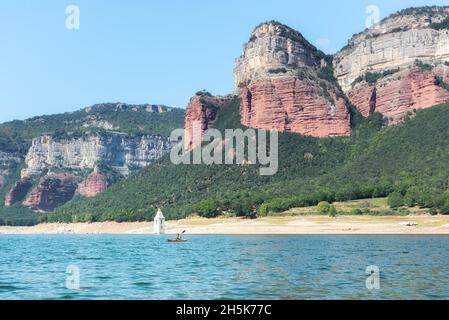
<point x="223" y="267"/>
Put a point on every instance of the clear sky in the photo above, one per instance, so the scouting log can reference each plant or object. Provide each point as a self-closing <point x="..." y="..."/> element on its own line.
<point x="149" y="51"/>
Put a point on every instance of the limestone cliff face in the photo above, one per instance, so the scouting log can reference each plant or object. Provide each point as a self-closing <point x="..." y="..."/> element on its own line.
<point x="281" y="80"/>
<point x="391" y="51"/>
<point x="122" y="153"/>
<point x="396" y="42"/>
<point x="52" y="191"/>
<point x="202" y="109"/>
<point x="118" y="151"/>
<point x="82" y="152"/>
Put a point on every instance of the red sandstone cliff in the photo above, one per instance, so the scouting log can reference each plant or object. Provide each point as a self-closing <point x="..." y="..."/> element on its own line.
<point x="293" y="105"/>
<point x="93" y="185"/>
<point x="52" y="191"/>
<point x="400" y="94"/>
<point x="18" y="192"/>
<point x="281" y="80"/>
<point x="405" y="52"/>
<point x="202" y="110"/>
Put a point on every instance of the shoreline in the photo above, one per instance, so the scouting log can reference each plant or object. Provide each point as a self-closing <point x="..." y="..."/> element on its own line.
<point x="275" y="225"/>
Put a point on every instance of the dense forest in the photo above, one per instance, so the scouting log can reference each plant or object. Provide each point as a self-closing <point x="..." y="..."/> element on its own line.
<point x="407" y="162"/>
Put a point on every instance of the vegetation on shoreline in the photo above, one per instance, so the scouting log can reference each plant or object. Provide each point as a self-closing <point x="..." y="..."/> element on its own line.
<point x="408" y="159"/>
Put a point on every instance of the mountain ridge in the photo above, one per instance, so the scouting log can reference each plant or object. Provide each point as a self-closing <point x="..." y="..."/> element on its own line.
<point x="330" y="116"/>
<point x="47" y="160"/>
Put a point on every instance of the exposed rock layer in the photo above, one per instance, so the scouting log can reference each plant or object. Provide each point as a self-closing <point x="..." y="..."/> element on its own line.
<point x="93" y="185"/>
<point x="18" y="192"/>
<point x="401" y="42"/>
<point x="119" y="151"/>
<point x="201" y="112"/>
<point x="399" y="95"/>
<point x="292" y="105"/>
<point x="396" y="42"/>
<point x="279" y="79"/>
<point x="52" y="191"/>
<point x="274" y="50"/>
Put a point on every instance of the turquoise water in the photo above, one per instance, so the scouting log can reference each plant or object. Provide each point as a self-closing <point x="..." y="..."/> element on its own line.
<point x="224" y="267"/>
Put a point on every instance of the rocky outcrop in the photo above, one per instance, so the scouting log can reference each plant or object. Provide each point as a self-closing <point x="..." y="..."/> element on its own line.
<point x="293" y="105"/>
<point x="153" y="108"/>
<point x="121" y="152"/>
<point x="286" y="84"/>
<point x="96" y="147"/>
<point x="93" y="185"/>
<point x="52" y="191"/>
<point x="124" y="107"/>
<point x="363" y="96"/>
<point x="18" y="192"/>
<point x="399" y="95"/>
<point x="202" y="111"/>
<point x="390" y="52"/>
<point x="396" y="42"/>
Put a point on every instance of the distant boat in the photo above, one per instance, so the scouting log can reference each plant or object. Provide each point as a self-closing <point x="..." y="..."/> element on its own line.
<point x="176" y="240"/>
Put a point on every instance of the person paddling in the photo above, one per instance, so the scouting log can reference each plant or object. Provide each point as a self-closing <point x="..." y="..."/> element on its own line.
<point x="178" y="238"/>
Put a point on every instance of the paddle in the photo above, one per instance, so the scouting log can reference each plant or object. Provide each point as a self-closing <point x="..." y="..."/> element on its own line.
<point x="178" y="236"/>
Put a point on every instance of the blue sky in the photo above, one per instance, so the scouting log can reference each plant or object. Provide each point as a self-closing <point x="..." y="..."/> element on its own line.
<point x="148" y="51"/>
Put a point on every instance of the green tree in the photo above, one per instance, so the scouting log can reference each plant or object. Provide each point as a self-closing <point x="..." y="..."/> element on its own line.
<point x="332" y="211"/>
<point x="208" y="208"/>
<point x="411" y="197"/>
<point x="395" y="200"/>
<point x="88" y="217"/>
<point x="323" y="207"/>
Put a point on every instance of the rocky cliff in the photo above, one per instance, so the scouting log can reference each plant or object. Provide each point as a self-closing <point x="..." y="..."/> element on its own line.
<point x="400" y="94"/>
<point x="82" y="152"/>
<point x="18" y="191"/>
<point x="93" y="185"/>
<point x="122" y="152"/>
<point x="286" y="84"/>
<point x="73" y="158"/>
<point x="51" y="192"/>
<point x="399" y="65"/>
<point x="202" y="109"/>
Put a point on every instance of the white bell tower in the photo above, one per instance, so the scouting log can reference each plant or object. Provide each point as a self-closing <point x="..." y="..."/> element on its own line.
<point x="159" y="222"/>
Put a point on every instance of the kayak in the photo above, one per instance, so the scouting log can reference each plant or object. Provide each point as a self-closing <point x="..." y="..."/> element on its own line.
<point x="176" y="240"/>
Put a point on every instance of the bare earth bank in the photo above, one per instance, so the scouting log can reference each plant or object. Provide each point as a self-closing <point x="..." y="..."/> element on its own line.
<point x="269" y="225"/>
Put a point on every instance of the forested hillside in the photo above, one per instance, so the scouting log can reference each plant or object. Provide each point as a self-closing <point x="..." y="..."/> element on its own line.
<point x="409" y="160"/>
<point x="76" y="144"/>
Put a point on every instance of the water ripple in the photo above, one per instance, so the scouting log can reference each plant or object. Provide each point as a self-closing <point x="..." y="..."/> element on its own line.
<point x="223" y="267"/>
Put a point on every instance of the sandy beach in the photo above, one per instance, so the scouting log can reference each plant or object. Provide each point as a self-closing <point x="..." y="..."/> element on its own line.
<point x="270" y="225"/>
